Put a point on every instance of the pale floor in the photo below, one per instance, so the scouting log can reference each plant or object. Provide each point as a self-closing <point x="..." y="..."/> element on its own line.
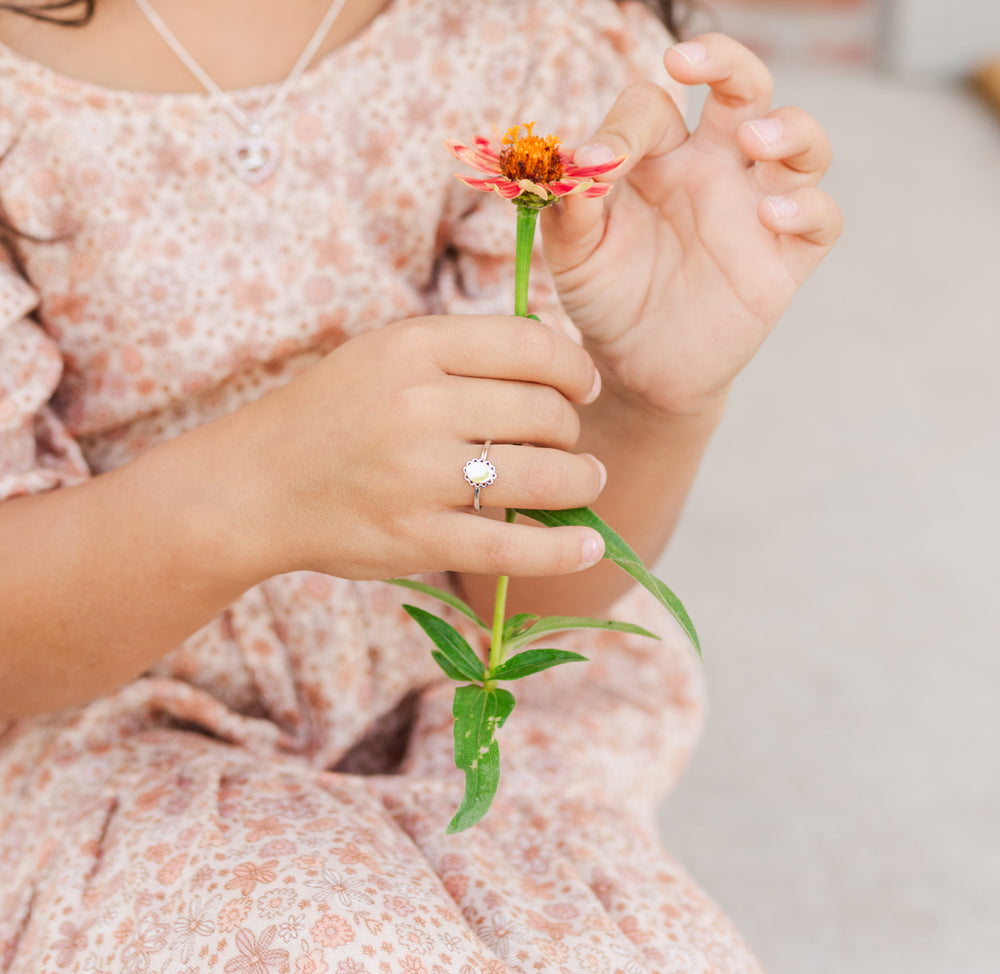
<point x="841" y="556"/>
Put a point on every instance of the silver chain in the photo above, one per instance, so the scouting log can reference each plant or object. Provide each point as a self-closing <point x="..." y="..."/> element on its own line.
<point x="253" y="125"/>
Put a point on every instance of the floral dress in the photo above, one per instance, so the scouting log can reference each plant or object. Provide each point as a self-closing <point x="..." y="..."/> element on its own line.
<point x="271" y="797"/>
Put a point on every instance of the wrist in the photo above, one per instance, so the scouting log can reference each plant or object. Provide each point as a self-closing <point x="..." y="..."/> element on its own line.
<point x="211" y="481"/>
<point x="648" y="399"/>
<point x="626" y="409"/>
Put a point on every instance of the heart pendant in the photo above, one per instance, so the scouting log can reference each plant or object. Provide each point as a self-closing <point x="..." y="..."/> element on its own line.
<point x="255" y="157"/>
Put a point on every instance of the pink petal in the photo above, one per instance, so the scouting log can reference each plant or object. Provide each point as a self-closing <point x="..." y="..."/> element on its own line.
<point x="584" y="172"/>
<point x="566" y="186"/>
<point x="473" y="157"/>
<point x="486" y="184"/>
<point x="508" y="190"/>
<point x="498" y="184"/>
<point x="598" y="189"/>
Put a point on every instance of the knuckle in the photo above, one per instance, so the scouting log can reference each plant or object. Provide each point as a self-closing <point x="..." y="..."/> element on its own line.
<point x="421" y="536"/>
<point x="717" y="37"/>
<point x="637" y="109"/>
<point x="794" y="116"/>
<point x="810" y="132"/>
<point x="538" y="344"/>
<point x="415" y="336"/>
<point x="646" y="95"/>
<point x="499" y="552"/>
<point x="548" y="410"/>
<point x="544" y="480"/>
<point x="419" y="404"/>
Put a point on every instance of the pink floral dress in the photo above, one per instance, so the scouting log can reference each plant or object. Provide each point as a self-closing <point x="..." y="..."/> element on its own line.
<point x="271" y="797"/>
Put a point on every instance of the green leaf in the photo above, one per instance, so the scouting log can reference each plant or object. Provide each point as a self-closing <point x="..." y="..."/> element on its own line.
<point x="553" y="624"/>
<point x="452" y="671"/>
<point x="622" y="555"/>
<point x="441" y="595"/>
<point x="460" y="656"/>
<point x="516" y="625"/>
<point x="532" y="661"/>
<point x="479" y="713"/>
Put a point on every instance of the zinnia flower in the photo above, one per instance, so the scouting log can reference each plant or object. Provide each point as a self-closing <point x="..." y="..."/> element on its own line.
<point x="529" y="169"/>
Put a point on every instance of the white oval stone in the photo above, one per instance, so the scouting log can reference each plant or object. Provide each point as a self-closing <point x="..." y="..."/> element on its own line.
<point x="480" y="472"/>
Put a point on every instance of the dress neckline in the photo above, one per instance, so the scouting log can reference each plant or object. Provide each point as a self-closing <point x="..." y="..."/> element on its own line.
<point x="68" y="84"/>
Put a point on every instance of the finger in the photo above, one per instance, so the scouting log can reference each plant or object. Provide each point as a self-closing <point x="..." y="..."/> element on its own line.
<point x="484" y="546"/>
<point x="807" y="213"/>
<point x="509" y="412"/>
<point x="495" y="347"/>
<point x="739" y="82"/>
<point x="526" y="477"/>
<point x="643" y="124"/>
<point x="791" y="149"/>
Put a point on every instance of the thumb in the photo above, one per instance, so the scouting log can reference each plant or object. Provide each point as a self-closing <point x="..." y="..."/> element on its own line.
<point x="643" y="123"/>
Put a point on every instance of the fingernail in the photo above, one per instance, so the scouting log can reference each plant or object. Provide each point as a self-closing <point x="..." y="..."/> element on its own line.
<point x="593" y="154"/>
<point x="593" y="549"/>
<point x="768" y="130"/>
<point x="782" y="207"/>
<point x="603" y="471"/>
<point x="595" y="389"/>
<point x="694" y="52"/>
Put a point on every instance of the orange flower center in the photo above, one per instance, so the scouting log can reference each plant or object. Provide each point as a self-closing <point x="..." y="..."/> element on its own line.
<point x="530" y="156"/>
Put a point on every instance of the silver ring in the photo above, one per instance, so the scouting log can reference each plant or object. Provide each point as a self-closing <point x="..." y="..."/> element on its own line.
<point x="480" y="473"/>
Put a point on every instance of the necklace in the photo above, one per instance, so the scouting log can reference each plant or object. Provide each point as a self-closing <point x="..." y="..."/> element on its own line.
<point x="254" y="156"/>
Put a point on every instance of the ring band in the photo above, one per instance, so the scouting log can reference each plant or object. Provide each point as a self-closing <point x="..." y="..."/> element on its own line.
<point x="480" y="473"/>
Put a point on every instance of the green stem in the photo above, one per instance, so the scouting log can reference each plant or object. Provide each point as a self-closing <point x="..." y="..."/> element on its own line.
<point x="527" y="216"/>
<point x="499" y="614"/>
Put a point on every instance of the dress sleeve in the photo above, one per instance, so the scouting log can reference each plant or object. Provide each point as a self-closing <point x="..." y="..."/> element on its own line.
<point x="36" y="452"/>
<point x="585" y="52"/>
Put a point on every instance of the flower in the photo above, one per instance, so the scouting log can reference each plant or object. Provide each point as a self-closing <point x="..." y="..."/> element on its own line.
<point x="311" y="963"/>
<point x="256" y="956"/>
<point x="533" y="170"/>
<point x="333" y="884"/>
<point x="150" y="938"/>
<point x="248" y="874"/>
<point x="332" y="931"/>
<point x="73" y="940"/>
<point x="196" y="924"/>
<point x="500" y="933"/>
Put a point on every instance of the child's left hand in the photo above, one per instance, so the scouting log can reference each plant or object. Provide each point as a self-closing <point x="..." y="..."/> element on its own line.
<point x="678" y="276"/>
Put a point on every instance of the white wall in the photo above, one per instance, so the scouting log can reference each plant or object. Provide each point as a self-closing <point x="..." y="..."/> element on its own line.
<point x="941" y="38"/>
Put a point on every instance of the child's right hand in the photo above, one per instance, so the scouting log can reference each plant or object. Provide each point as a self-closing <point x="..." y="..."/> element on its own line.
<point x="356" y="466"/>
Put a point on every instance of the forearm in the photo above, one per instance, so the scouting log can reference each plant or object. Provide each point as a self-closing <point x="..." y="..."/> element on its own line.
<point x="652" y="460"/>
<point x="101" y="580"/>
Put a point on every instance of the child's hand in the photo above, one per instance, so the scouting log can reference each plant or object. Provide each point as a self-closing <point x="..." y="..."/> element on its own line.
<point x="677" y="277"/>
<point x="355" y="467"/>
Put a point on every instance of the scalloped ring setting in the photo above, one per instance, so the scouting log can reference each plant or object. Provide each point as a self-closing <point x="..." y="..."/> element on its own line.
<point x="480" y="473"/>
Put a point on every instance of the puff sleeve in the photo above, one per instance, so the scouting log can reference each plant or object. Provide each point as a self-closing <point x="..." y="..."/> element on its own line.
<point x="36" y="452"/>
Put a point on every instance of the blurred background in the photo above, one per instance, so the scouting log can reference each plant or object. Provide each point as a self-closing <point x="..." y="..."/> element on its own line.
<point x="841" y="551"/>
